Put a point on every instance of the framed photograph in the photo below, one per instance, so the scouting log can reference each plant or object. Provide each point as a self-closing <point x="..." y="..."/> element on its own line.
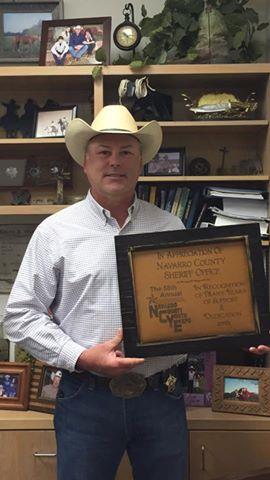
<point x="192" y="290"/>
<point x="199" y="379"/>
<point x="44" y="385"/>
<point x="75" y="41"/>
<point x="239" y="389"/>
<point x="53" y="122"/>
<point x="167" y="162"/>
<point x="14" y="385"/>
<point x="20" y="28"/>
<point x="12" y="172"/>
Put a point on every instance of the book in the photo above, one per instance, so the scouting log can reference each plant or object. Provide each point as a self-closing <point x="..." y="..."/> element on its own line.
<point x="152" y="195"/>
<point x="234" y="193"/>
<point x="176" y="200"/>
<point x="170" y="199"/>
<point x="183" y="202"/>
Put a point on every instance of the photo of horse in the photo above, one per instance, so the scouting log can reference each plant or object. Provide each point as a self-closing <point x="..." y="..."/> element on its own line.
<point x="22" y="34"/>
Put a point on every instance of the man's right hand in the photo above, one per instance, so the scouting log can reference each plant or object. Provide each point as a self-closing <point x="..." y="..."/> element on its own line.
<point x="106" y="358"/>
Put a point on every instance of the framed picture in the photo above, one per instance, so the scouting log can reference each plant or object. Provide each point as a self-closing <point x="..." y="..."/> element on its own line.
<point x="20" y="28"/>
<point x="239" y="389"/>
<point x="199" y="379"/>
<point x="44" y="385"/>
<point x="192" y="290"/>
<point x="14" y="385"/>
<point x="53" y="122"/>
<point x="167" y="162"/>
<point x="12" y="172"/>
<point x="75" y="41"/>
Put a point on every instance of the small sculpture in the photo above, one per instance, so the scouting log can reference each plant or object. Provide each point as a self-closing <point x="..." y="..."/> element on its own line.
<point x="21" y="197"/>
<point x="10" y="121"/>
<point x="27" y="120"/>
<point x="61" y="174"/>
<point x="221" y="106"/>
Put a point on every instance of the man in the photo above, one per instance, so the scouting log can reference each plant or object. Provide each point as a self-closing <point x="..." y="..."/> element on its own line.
<point x="70" y="268"/>
<point x="77" y="47"/>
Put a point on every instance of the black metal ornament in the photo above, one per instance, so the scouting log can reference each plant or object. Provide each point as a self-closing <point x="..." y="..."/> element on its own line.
<point x="127" y="35"/>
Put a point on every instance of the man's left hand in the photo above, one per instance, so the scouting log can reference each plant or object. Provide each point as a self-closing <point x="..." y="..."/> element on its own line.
<point x="260" y="350"/>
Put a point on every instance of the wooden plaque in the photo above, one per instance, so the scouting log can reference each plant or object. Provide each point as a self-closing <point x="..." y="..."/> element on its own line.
<point x="192" y="290"/>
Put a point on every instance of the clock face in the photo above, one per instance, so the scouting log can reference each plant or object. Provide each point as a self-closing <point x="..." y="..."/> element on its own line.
<point x="127" y="36"/>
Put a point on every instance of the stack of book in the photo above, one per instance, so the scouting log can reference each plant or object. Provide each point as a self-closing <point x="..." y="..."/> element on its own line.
<point x="239" y="206"/>
<point x="181" y="201"/>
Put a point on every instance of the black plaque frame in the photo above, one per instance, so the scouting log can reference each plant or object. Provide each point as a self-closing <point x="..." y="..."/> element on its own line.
<point x="127" y="243"/>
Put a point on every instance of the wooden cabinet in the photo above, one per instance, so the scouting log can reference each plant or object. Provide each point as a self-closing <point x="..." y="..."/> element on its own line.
<point x="219" y="444"/>
<point x="28" y="449"/>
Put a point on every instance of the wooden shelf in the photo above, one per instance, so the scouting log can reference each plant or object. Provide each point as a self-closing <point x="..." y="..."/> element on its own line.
<point x="7" y="210"/>
<point x="198" y="70"/>
<point x="32" y="141"/>
<point x="207" y="179"/>
<point x="216" y="125"/>
<point x="199" y="418"/>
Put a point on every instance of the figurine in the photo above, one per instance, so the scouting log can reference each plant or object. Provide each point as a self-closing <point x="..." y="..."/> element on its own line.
<point x="27" y="120"/>
<point x="61" y="174"/>
<point x="21" y="197"/>
<point x="10" y="121"/>
<point x="221" y="106"/>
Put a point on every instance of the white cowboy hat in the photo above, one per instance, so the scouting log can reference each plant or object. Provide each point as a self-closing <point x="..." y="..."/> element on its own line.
<point x="112" y="119"/>
<point x="58" y="373"/>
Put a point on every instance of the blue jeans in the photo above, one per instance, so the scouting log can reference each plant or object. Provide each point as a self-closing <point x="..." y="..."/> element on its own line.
<point x="94" y="428"/>
<point x="78" y="53"/>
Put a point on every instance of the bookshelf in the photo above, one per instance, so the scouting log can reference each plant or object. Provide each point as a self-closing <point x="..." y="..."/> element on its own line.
<point x="75" y="85"/>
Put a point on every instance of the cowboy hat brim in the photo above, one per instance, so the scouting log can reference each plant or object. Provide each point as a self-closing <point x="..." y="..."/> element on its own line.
<point x="79" y="133"/>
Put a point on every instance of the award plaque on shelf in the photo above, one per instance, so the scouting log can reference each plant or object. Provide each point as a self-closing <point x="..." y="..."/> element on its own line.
<point x="192" y="290"/>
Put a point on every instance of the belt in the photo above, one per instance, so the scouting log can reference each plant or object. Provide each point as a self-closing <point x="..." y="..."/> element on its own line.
<point x="133" y="384"/>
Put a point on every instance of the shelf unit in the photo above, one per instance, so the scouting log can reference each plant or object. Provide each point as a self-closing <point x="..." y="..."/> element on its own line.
<point x="75" y="85"/>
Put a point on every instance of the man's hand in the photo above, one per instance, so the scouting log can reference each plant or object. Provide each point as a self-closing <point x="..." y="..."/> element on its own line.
<point x="106" y="358"/>
<point x="260" y="350"/>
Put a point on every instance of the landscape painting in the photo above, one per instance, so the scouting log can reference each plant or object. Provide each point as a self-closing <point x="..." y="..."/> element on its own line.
<point x="21" y="35"/>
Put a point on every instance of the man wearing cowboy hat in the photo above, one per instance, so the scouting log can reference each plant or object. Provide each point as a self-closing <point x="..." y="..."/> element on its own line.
<point x="102" y="407"/>
<point x="77" y="46"/>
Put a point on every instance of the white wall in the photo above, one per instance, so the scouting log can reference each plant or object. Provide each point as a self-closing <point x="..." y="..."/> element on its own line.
<point x="114" y="8"/>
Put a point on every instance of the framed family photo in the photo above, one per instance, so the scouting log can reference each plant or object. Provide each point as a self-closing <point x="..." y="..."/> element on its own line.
<point x="240" y="389"/>
<point x="74" y="41"/>
<point x="54" y="122"/>
<point x="44" y="385"/>
<point x="14" y="385"/>
<point x="20" y="28"/>
<point x="167" y="162"/>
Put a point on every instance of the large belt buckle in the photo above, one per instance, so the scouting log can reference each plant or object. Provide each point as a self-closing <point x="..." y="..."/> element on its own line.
<point x="129" y="385"/>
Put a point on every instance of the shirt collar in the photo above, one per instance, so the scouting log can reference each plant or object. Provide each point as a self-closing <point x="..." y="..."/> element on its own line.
<point x="105" y="214"/>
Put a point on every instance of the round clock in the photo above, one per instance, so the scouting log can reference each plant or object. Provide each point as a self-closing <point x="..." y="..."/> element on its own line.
<point x="127" y="35"/>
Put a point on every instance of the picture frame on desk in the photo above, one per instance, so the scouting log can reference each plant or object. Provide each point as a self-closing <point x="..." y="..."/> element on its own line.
<point x="167" y="162"/>
<point x="53" y="122"/>
<point x="59" y="44"/>
<point x="240" y="389"/>
<point x="14" y="385"/>
<point x="44" y="385"/>
<point x="20" y="28"/>
<point x="199" y="379"/>
<point x="173" y="302"/>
